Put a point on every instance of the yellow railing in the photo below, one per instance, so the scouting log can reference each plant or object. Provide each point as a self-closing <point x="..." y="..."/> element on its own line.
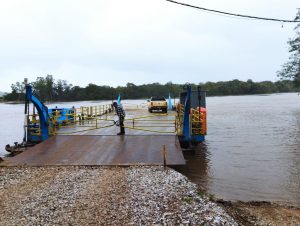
<point x="84" y="116"/>
<point x="95" y="110"/>
<point x="34" y="121"/>
<point x="197" y="121"/>
<point x="145" y="123"/>
<point x="90" y="122"/>
<point x="179" y="119"/>
<point x="96" y="117"/>
<point x="88" y="117"/>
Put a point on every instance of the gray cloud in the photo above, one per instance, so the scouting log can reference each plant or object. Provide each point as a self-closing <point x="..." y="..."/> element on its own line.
<point x="141" y="41"/>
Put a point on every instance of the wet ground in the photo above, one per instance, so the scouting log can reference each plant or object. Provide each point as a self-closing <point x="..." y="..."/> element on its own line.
<point x="262" y="213"/>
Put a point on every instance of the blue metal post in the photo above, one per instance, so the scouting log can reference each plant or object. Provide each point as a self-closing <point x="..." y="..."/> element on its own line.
<point x="170" y="102"/>
<point x="119" y="100"/>
<point x="42" y="111"/>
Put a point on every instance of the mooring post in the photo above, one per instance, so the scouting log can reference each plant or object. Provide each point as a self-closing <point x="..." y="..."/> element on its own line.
<point x="165" y="155"/>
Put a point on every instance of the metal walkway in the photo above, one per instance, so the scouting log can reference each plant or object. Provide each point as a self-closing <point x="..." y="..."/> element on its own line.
<point x="102" y="150"/>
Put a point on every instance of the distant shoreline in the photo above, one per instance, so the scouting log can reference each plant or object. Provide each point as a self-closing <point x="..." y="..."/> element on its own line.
<point x="68" y="101"/>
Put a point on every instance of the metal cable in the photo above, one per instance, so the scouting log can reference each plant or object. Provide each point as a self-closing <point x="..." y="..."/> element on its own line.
<point x="235" y="14"/>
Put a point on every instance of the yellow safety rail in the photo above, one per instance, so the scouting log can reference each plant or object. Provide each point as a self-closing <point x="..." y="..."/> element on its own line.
<point x="34" y="120"/>
<point x="144" y="122"/>
<point x="95" y="110"/>
<point x="96" y="117"/>
<point x="90" y="122"/>
<point x="84" y="116"/>
<point x="179" y="119"/>
<point x="197" y="122"/>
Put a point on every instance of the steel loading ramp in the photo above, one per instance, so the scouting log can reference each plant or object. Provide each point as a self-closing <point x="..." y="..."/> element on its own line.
<point x="102" y="151"/>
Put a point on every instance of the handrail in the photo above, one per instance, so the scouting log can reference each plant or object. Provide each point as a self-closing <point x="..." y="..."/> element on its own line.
<point x="82" y="117"/>
<point x="34" y="124"/>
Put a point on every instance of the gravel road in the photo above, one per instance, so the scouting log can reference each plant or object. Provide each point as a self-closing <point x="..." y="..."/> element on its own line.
<point x="103" y="196"/>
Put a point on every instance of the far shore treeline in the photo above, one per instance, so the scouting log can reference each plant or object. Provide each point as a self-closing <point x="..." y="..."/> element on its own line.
<point x="49" y="89"/>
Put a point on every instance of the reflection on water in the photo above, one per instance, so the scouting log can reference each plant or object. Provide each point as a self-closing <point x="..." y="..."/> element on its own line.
<point x="197" y="166"/>
<point x="251" y="152"/>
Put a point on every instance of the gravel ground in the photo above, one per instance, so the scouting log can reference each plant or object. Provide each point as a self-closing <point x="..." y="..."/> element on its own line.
<point x="103" y="196"/>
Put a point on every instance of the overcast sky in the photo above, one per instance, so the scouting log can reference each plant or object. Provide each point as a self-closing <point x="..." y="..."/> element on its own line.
<point x="141" y="41"/>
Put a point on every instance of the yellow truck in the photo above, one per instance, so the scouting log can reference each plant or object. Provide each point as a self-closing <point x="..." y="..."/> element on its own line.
<point x="157" y="103"/>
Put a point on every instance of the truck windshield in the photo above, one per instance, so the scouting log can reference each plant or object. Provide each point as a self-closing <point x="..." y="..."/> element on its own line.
<point x="158" y="99"/>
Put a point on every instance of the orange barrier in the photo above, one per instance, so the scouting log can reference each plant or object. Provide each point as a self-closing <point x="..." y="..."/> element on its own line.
<point x="204" y="121"/>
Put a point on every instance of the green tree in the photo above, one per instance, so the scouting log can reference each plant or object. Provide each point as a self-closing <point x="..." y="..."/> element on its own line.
<point x="18" y="92"/>
<point x="46" y="89"/>
<point x="40" y="88"/>
<point x="49" y="87"/>
<point x="62" y="90"/>
<point x="291" y="69"/>
<point x="18" y="87"/>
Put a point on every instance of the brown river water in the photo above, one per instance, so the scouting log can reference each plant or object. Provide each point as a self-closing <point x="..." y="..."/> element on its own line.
<point x="251" y="152"/>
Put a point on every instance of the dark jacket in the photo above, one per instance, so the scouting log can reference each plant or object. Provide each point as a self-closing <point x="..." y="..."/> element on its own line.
<point x="120" y="112"/>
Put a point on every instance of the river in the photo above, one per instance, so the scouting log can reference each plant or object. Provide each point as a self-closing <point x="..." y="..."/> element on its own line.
<point x="251" y="152"/>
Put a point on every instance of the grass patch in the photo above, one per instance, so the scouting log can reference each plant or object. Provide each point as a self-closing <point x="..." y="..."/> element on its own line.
<point x="188" y="200"/>
<point x="211" y="197"/>
<point x="202" y="194"/>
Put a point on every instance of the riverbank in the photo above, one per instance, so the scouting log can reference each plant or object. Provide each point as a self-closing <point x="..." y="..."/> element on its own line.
<point x="115" y="195"/>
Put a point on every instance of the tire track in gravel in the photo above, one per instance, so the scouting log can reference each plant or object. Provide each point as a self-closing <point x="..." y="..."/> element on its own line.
<point x="105" y="202"/>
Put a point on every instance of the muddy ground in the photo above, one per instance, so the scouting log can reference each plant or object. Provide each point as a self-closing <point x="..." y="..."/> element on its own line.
<point x="262" y="213"/>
